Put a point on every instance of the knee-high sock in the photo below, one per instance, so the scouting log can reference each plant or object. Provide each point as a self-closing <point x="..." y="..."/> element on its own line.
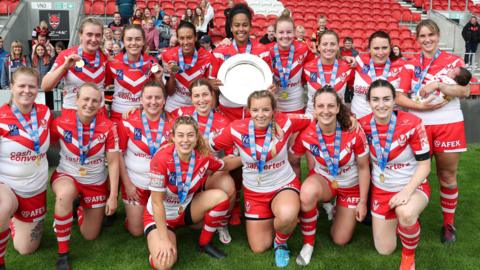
<point x="448" y="200"/>
<point x="410" y="236"/>
<point x="3" y="244"/>
<point x="212" y="220"/>
<point x="308" y="224"/>
<point x="281" y="238"/>
<point x="63" y="229"/>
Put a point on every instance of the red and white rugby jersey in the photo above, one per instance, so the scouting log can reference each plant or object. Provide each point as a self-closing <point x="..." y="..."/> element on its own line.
<point x="18" y="168"/>
<point x="362" y="81"/>
<point x="105" y="138"/>
<point x="134" y="145"/>
<point x="312" y="77"/>
<point x="128" y="82"/>
<point x="277" y="170"/>
<point x="222" y="53"/>
<point x="410" y="142"/>
<point x="219" y="121"/>
<point x="292" y="100"/>
<point x="75" y="78"/>
<point x="410" y="75"/>
<point x="353" y="144"/>
<point x="163" y="178"/>
<point x="206" y="67"/>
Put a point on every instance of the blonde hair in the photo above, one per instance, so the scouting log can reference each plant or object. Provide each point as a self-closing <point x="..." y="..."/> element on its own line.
<point x="201" y="144"/>
<point x="89" y="85"/>
<point x="90" y="20"/>
<point x="430" y="24"/>
<point x="284" y="17"/>
<point x="26" y="71"/>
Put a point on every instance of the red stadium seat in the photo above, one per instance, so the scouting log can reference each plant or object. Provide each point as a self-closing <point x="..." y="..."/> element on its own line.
<point x="87" y="7"/>
<point x="111" y="8"/>
<point x="141" y="4"/>
<point x="151" y="4"/>
<point x="98" y="8"/>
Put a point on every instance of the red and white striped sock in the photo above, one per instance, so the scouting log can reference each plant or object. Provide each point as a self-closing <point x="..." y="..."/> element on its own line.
<point x="448" y="201"/>
<point x="308" y="224"/>
<point x="212" y="220"/>
<point x="3" y="244"/>
<point x="281" y="238"/>
<point x="63" y="229"/>
<point x="410" y="236"/>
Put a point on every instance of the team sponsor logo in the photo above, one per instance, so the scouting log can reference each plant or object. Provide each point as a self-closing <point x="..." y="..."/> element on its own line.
<point x="365" y="69"/>
<point x="119" y="74"/>
<point x="245" y="140"/>
<point x="313" y="77"/>
<point x="376" y="205"/>
<point x="33" y="213"/>
<point x="13" y="130"/>
<point x="314" y="149"/>
<point x="402" y="139"/>
<point x="417" y="71"/>
<point x="350" y="200"/>
<point x="448" y="144"/>
<point x="137" y="134"/>
<point x="95" y="199"/>
<point x="67" y="135"/>
<point x="157" y="180"/>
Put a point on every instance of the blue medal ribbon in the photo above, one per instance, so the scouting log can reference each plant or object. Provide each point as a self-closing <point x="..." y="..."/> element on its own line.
<point x="382" y="153"/>
<point x="153" y="146"/>
<point x="96" y="62"/>
<point x="208" y="125"/>
<point x="183" y="187"/>
<point x="332" y="165"/>
<point x="372" y="73"/>
<point x="265" y="147"/>
<point x="247" y="50"/>
<point x="284" y="74"/>
<point x="83" y="149"/>
<point x="424" y="73"/>
<point x="31" y="129"/>
<point x="321" y="73"/>
<point x="184" y="67"/>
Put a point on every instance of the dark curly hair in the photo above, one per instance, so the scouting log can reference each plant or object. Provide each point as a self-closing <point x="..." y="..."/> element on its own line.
<point x="343" y="116"/>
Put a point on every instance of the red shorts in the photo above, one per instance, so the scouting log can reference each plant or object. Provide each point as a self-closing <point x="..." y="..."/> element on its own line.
<point x="346" y="197"/>
<point x="31" y="209"/>
<point x="185" y="218"/>
<point x="258" y="205"/>
<point x="92" y="196"/>
<point x="447" y="138"/>
<point x="233" y="113"/>
<point x="144" y="194"/>
<point x="380" y="199"/>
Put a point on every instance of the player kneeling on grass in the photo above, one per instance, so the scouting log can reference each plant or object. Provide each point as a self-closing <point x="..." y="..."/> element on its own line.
<point x="341" y="170"/>
<point x="399" y="151"/>
<point x="24" y="140"/>
<point x="178" y="173"/>
<point x="87" y="139"/>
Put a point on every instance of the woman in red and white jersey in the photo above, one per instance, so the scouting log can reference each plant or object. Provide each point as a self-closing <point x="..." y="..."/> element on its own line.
<point x="443" y="121"/>
<point x="270" y="185"/>
<point x="326" y="69"/>
<point x="79" y="64"/>
<point x="341" y="170"/>
<point x="87" y="139"/>
<point x="141" y="134"/>
<point x="380" y="63"/>
<point x="241" y="24"/>
<point x="24" y="141"/>
<point x="400" y="156"/>
<point x="210" y="123"/>
<point x="130" y="71"/>
<point x="185" y="63"/>
<point x="177" y="174"/>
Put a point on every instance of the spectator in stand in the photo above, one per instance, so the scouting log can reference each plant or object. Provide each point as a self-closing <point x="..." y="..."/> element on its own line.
<point x="188" y="15"/>
<point x="42" y="39"/>
<point x="117" y="38"/>
<point x="322" y="27"/>
<point x="269" y="37"/>
<point x="40" y="30"/>
<point x="397" y="53"/>
<point x="164" y="32"/>
<point x="151" y="35"/>
<point x="116" y="24"/>
<point x="208" y="13"/>
<point x="116" y="49"/>
<point x="300" y="33"/>
<point x="199" y="22"/>
<point x="147" y="14"/>
<point x="347" y="49"/>
<point x="125" y="8"/>
<point x="158" y="12"/>
<point x="3" y="54"/>
<point x="173" y="42"/>
<point x="206" y="43"/>
<point x="226" y="12"/>
<point x="41" y="60"/>
<point x="471" y="35"/>
<point x="108" y="47"/>
<point x="12" y="62"/>
<point x="137" y="18"/>
<point x="174" y="22"/>
<point x="107" y="34"/>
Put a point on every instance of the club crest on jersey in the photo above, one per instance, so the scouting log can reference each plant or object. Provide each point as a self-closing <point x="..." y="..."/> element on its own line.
<point x="417" y="71"/>
<point x="120" y="74"/>
<point x="313" y="77"/>
<point x="245" y="140"/>
<point x="137" y="134"/>
<point x="67" y="135"/>
<point x="402" y="139"/>
<point x="314" y="150"/>
<point x="365" y="69"/>
<point x="13" y="130"/>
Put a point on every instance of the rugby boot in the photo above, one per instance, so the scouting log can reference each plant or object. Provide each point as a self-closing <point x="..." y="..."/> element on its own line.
<point x="63" y="262"/>
<point x="282" y="254"/>
<point x="408" y="262"/>
<point x="448" y="234"/>
<point x="305" y="255"/>
<point x="212" y="251"/>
